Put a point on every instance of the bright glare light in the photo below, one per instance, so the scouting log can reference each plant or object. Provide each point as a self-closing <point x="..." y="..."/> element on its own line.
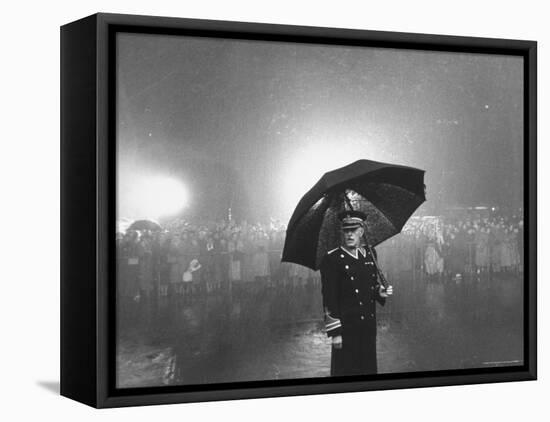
<point x="307" y="166"/>
<point x="155" y="196"/>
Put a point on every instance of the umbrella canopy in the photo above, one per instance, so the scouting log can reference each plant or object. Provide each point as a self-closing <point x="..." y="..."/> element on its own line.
<point x="142" y="225"/>
<point x="387" y="193"/>
<point x="122" y="224"/>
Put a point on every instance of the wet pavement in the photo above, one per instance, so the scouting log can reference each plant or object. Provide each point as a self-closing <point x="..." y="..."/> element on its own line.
<point x="264" y="333"/>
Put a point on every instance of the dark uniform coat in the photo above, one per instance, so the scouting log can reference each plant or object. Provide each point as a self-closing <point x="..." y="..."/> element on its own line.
<point x="350" y="292"/>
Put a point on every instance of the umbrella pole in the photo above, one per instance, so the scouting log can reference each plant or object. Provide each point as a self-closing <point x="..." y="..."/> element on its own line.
<point x="381" y="277"/>
<point x="348" y="201"/>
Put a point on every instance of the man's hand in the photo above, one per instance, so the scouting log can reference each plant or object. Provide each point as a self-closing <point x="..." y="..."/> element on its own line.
<point x="386" y="292"/>
<point x="337" y="342"/>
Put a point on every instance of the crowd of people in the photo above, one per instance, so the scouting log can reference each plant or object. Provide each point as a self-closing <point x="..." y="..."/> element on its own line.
<point x="452" y="248"/>
<point x="186" y="259"/>
<point x="189" y="259"/>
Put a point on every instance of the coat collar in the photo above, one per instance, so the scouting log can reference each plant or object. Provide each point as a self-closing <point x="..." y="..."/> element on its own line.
<point x="356" y="254"/>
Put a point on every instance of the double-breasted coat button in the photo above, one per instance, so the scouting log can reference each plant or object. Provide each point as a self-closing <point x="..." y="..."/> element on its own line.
<point x="347" y="267"/>
<point x="352" y="278"/>
<point x="341" y="256"/>
<point x="360" y="303"/>
<point x="356" y="290"/>
<point x="362" y="317"/>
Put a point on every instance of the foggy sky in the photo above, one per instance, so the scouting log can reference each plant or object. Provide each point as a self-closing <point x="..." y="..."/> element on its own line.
<point x="239" y="121"/>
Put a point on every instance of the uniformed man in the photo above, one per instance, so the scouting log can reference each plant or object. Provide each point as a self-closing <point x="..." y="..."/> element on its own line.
<point x="351" y="288"/>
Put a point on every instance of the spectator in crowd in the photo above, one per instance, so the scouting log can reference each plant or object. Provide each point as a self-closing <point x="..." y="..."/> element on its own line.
<point x="436" y="248"/>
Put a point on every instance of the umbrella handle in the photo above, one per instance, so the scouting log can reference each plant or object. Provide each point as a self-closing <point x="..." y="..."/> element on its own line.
<point x="381" y="277"/>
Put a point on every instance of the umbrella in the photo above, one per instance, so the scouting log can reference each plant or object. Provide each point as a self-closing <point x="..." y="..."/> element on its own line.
<point x="122" y="224"/>
<point x="387" y="193"/>
<point x="145" y="225"/>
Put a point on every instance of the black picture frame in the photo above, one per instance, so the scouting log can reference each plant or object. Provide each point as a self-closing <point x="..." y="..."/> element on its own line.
<point x="88" y="209"/>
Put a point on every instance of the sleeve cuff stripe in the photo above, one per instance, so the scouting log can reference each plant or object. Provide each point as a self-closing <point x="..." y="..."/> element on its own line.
<point x="333" y="326"/>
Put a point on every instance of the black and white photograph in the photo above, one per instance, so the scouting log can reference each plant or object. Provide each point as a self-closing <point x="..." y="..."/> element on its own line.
<point x="275" y="211"/>
<point x="290" y="210"/>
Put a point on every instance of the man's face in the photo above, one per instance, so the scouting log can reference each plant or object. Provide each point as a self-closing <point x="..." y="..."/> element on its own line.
<point x="352" y="237"/>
